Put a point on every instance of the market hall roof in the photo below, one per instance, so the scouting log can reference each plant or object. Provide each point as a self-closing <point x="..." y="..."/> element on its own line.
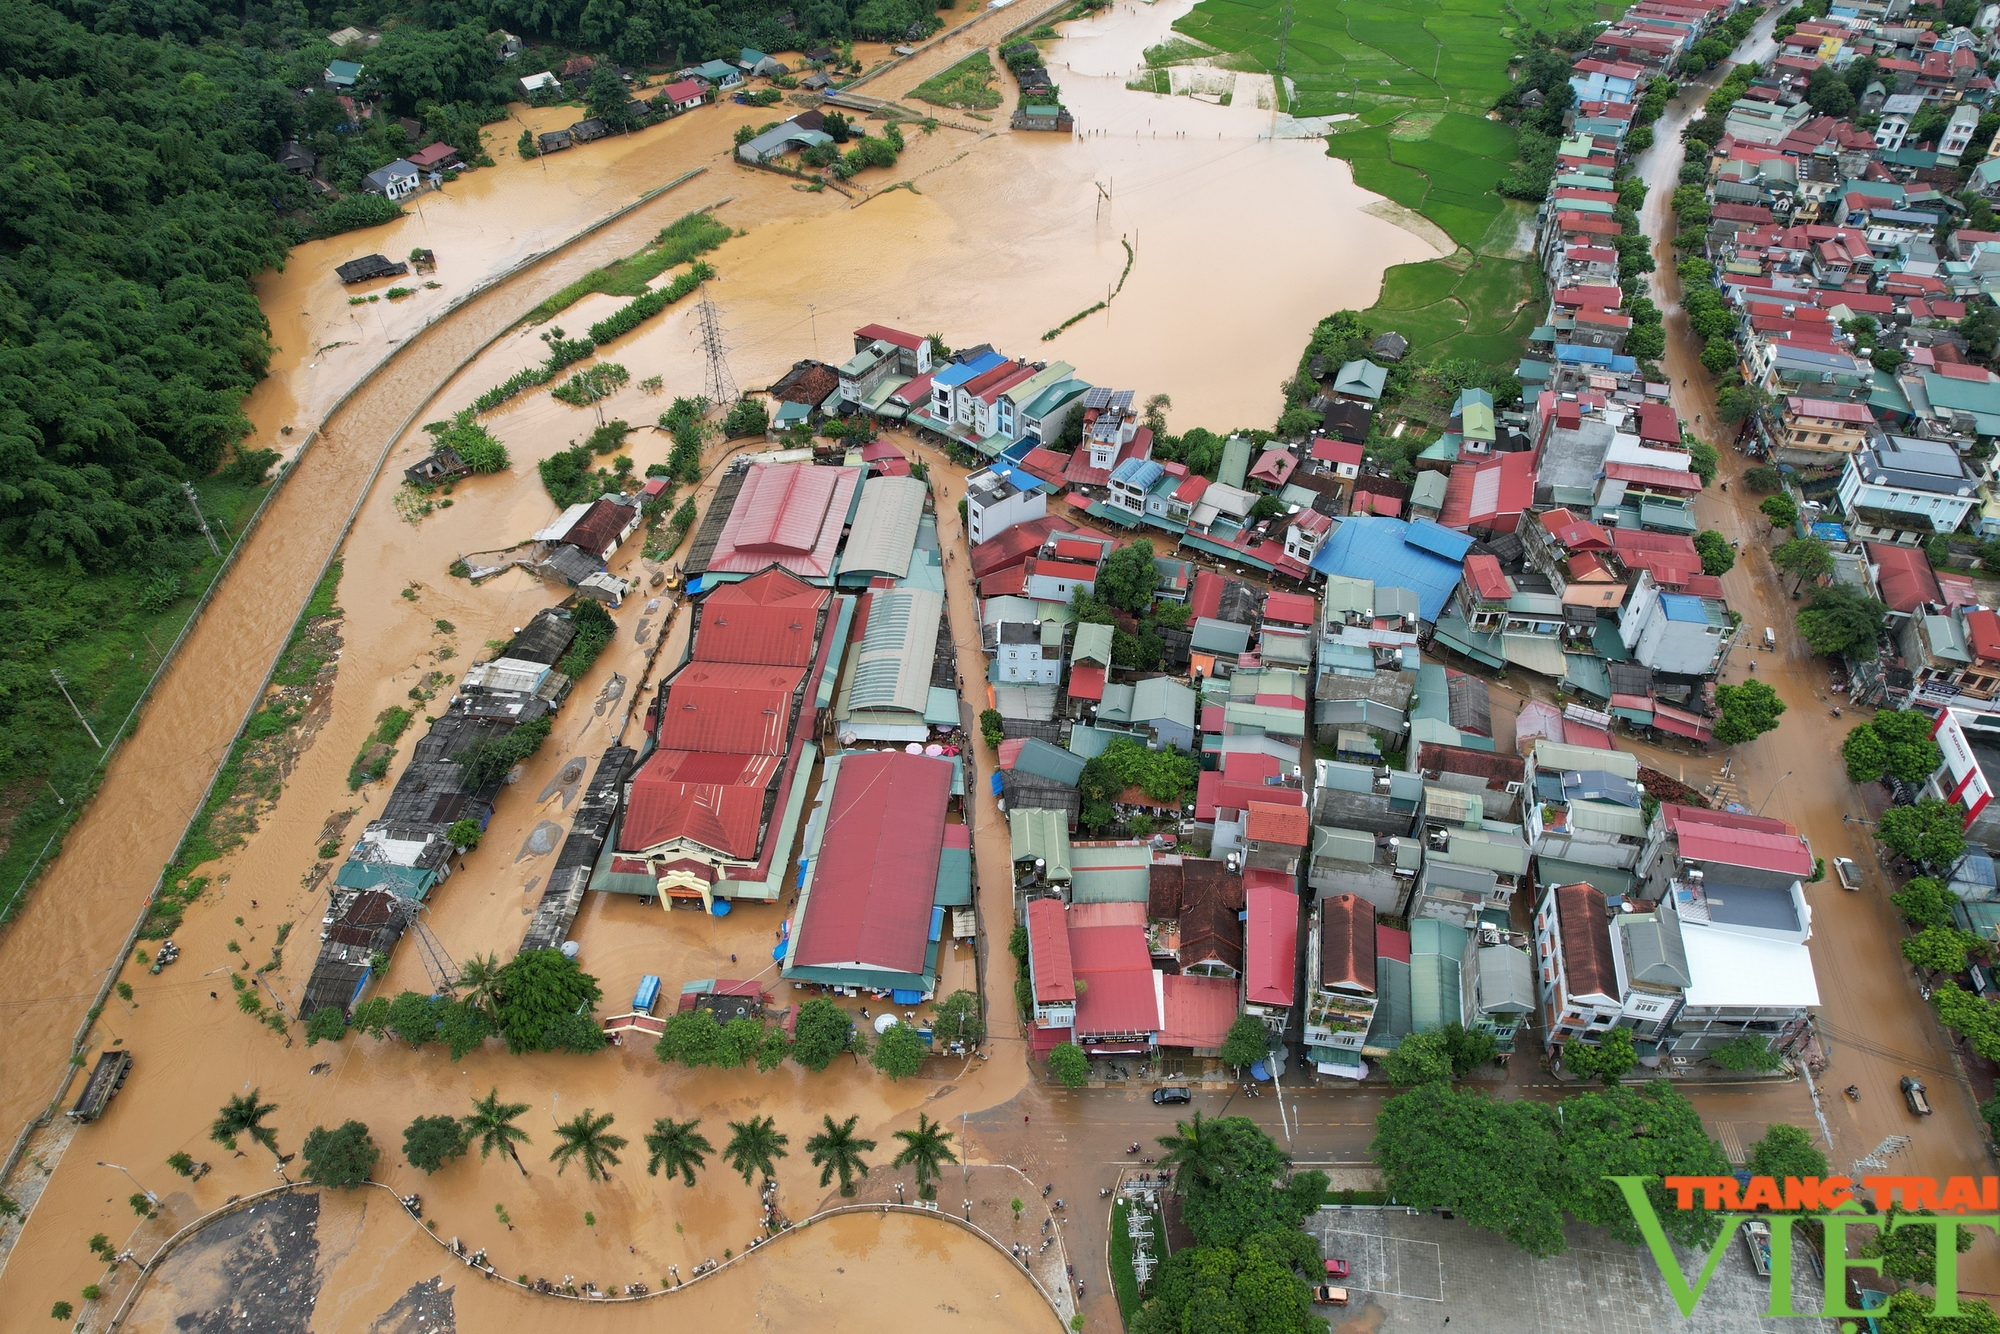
<point x="875" y="878"/>
<point x="792" y="515"/>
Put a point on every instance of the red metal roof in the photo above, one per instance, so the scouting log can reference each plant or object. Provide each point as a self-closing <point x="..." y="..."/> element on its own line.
<point x="715" y="800"/>
<point x="1660" y="479"/>
<point x="1076" y="549"/>
<point x="1492" y="494"/>
<point x="790" y="514"/>
<point x="1327" y="449"/>
<point x="1270" y="942"/>
<point x="1117" y="971"/>
<point x="1670" y="719"/>
<point x="1009" y="582"/>
<point x="1392" y="943"/>
<point x="685" y="89"/>
<point x="1289" y="608"/>
<point x="1010" y="751"/>
<point x="876" y="876"/>
<point x="1206" y="597"/>
<point x="1674" y="813"/>
<point x="1013" y="546"/>
<point x="734" y="708"/>
<point x="768" y="618"/>
<point x="1275" y="466"/>
<point x="1483" y="572"/>
<point x="1904" y="576"/>
<point x="1191" y="490"/>
<point x="1784" y="854"/>
<point x="1983" y="627"/>
<point x="1048" y="952"/>
<point x="1086" y="681"/>
<point x="884" y="333"/>
<point x="1198" y="1011"/>
<point x="1583" y="734"/>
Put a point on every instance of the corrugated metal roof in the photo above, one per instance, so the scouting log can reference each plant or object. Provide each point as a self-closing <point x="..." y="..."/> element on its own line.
<point x="769" y="618"/>
<point x="1435" y="950"/>
<point x="1053" y="974"/>
<point x="1197" y="1011"/>
<point x="885" y="527"/>
<point x="892" y="666"/>
<point x="1110" y="872"/>
<point x="1035" y="833"/>
<point x="1119" y="995"/>
<point x="789" y="514"/>
<point x="875" y="878"/>
<point x="1270" y="944"/>
<point x="728" y="707"/>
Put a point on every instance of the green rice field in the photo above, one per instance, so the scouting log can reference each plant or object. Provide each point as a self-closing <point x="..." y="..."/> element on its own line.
<point x="1419" y="77"/>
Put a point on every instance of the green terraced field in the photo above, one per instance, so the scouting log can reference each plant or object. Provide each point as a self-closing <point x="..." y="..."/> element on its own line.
<point x="1419" y="76"/>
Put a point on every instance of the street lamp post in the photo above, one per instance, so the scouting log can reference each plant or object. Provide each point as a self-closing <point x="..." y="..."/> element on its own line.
<point x="1774" y="791"/>
<point x="151" y="1198"/>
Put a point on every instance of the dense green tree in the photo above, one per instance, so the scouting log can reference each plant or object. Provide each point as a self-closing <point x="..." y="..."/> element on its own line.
<point x="1420" y="1058"/>
<point x="536" y="993"/>
<point x="925" y="1150"/>
<point x="429" y="1142"/>
<point x="1974" y="1018"/>
<point x="461" y="1027"/>
<point x="837" y="1150"/>
<point x="341" y="1158"/>
<point x="1930" y="833"/>
<point x="1895" y="743"/>
<point x="491" y="1126"/>
<point x="1247" y="1042"/>
<point x="607" y="99"/>
<point x="1924" y="902"/>
<point x="957" y="1019"/>
<point x="820" y="1034"/>
<point x="1910" y="1311"/>
<point x="478" y="980"/>
<point x="1748" y="711"/>
<point x="1780" y="509"/>
<point x="899" y="1053"/>
<point x="1470" y="1048"/>
<point x="1495" y="1165"/>
<point x="1941" y="949"/>
<point x="1717" y="556"/>
<point x="413" y="1018"/>
<point x="587" y="1138"/>
<point x="677" y="1148"/>
<point x="1069" y="1065"/>
<point x="1252" y="1286"/>
<point x="1128" y="578"/>
<point x="1652" y="1132"/>
<point x="1786" y="1151"/>
<point x="1609" y="1059"/>
<point x="1910" y="1252"/>
<point x="327" y="1024"/>
<point x="1763" y="479"/>
<point x="755" y="1146"/>
<point x="1838" y="621"/>
<point x="1806" y="559"/>
<point x="1249" y="1189"/>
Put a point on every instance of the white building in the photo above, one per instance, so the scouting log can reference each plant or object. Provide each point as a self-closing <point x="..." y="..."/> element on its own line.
<point x="1905" y="489"/>
<point x="998" y="500"/>
<point x="1029" y="653"/>
<point x="1673" y="632"/>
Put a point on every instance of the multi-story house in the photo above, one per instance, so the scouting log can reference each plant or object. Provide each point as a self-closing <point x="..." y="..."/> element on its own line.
<point x="1270" y="947"/>
<point x="947" y="380"/>
<point x="1051" y="975"/>
<point x="1496" y="984"/>
<point x="1820" y="432"/>
<point x="996" y="500"/>
<point x="1340" y="968"/>
<point x="1957" y="136"/>
<point x="1905" y="489"/>
<point x="1576" y="968"/>
<point x="1585" y="809"/>
<point x="1605" y="80"/>
<point x="1680" y="633"/>
<point x="1953" y="657"/>
<point x="1028" y="653"/>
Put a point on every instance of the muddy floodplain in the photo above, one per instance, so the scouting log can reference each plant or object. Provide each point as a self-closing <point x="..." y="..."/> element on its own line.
<point x="1236" y="243"/>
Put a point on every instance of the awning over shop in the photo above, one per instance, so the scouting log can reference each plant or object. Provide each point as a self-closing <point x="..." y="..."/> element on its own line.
<point x="1669" y="719"/>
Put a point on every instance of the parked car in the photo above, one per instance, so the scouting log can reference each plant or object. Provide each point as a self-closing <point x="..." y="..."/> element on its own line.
<point x="1913" y="1093"/>
<point x="1336" y="1269"/>
<point x="1162" y="1097"/>
<point x="1849" y="873"/>
<point x="1325" y="1294"/>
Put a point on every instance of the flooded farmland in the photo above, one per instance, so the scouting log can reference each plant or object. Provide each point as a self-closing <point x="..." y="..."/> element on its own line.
<point x="1241" y="242"/>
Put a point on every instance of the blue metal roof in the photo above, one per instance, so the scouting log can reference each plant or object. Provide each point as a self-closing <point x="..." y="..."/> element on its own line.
<point x="1379" y="549"/>
<point x="1683" y="607"/>
<point x="1139" y="473"/>
<point x="953" y="376"/>
<point x="1594" y="356"/>
<point x="1446" y="542"/>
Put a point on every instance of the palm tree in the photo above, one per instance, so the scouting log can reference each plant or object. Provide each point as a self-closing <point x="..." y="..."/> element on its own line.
<point x="244" y="1115"/>
<point x="677" y="1146"/>
<point x="928" y="1148"/>
<point x="584" y="1136"/>
<point x="838" y="1149"/>
<point x="755" y="1146"/>
<point x="1198" y="1149"/>
<point x="477" y="979"/>
<point x="492" y="1124"/>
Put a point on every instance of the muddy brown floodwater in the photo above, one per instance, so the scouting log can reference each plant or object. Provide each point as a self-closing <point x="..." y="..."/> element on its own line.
<point x="1242" y="241"/>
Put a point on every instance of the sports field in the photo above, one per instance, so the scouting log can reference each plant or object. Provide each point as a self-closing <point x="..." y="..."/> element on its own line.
<point x="1419" y="77"/>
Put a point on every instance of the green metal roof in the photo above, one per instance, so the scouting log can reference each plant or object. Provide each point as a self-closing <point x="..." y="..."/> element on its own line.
<point x="1235" y="461"/>
<point x="1110" y="873"/>
<point x="1036" y="833"/>
<point x="1093" y="644"/>
<point x="1436" y="948"/>
<point x="954" y="881"/>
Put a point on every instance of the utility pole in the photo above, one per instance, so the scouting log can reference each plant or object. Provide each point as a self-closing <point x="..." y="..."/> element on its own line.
<point x="812" y="314"/>
<point x="1278" y="77"/>
<point x="194" y="503"/>
<point x="63" y="686"/>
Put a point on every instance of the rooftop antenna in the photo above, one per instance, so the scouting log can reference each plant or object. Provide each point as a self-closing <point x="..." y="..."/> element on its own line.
<point x="717" y="382"/>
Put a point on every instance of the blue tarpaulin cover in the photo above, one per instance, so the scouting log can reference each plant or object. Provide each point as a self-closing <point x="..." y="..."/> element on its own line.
<point x="906" y="997"/>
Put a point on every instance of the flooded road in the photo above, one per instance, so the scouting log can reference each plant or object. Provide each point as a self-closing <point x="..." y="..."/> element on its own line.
<point x="1242" y="244"/>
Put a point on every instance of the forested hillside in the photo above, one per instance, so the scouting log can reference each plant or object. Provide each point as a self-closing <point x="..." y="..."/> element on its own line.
<point x="139" y="195"/>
